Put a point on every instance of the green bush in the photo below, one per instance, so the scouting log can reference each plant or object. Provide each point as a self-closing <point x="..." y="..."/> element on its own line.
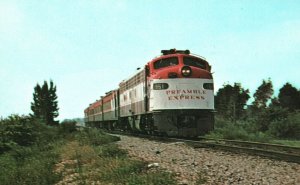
<point x="8" y="168"/>
<point x="265" y="117"/>
<point x="24" y="131"/>
<point x="28" y="165"/>
<point x="126" y="171"/>
<point x="231" y="131"/>
<point x="95" y="137"/>
<point x="113" y="151"/>
<point x="68" y="126"/>
<point x="16" y="130"/>
<point x="220" y="122"/>
<point x="241" y="130"/>
<point x="286" y="128"/>
<point x="27" y="151"/>
<point x="260" y="137"/>
<point x="109" y="164"/>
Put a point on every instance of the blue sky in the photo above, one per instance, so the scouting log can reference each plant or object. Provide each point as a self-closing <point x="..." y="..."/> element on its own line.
<point x="88" y="47"/>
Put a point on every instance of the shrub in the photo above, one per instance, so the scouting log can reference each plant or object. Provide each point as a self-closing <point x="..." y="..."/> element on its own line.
<point x="125" y="171"/>
<point x="68" y="126"/>
<point x="27" y="152"/>
<point x="113" y="151"/>
<point x="28" y="165"/>
<point x="17" y="130"/>
<point x="221" y="122"/>
<point x="95" y="137"/>
<point x="286" y="128"/>
<point x="265" y="117"/>
<point x="242" y="130"/>
<point x="228" y="130"/>
<point x="100" y="160"/>
<point x="24" y="131"/>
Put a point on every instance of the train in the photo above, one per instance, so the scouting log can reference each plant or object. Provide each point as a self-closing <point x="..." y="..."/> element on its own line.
<point x="173" y="95"/>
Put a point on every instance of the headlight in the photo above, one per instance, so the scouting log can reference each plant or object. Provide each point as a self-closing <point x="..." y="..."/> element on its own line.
<point x="186" y="71"/>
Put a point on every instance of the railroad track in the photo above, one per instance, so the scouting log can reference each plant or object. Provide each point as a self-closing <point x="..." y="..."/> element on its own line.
<point x="279" y="152"/>
<point x="274" y="151"/>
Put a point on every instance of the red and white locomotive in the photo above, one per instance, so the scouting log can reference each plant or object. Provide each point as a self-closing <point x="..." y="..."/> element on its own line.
<point x="172" y="95"/>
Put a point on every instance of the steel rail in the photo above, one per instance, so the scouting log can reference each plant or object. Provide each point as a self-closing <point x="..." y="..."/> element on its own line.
<point x="273" y="151"/>
<point x="279" y="155"/>
<point x="266" y="146"/>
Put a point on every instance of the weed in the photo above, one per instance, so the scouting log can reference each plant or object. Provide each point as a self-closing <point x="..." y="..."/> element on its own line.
<point x="95" y="137"/>
<point x="112" y="150"/>
<point x="34" y="167"/>
<point x="201" y="179"/>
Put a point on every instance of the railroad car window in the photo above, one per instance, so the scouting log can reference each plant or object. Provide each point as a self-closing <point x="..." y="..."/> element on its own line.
<point x="195" y="62"/>
<point x="160" y="86"/>
<point x="165" y="62"/>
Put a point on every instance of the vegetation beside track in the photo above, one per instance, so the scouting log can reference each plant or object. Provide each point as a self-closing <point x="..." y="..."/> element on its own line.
<point x="28" y="151"/>
<point x="295" y="143"/>
<point x="33" y="153"/>
<point x="269" y="118"/>
<point x="247" y="130"/>
<point x="98" y="159"/>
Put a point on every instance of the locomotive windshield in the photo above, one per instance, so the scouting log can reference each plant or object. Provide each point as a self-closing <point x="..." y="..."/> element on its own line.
<point x="165" y="62"/>
<point x="195" y="62"/>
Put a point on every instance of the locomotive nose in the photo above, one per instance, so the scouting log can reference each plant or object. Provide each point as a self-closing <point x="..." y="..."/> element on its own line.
<point x="186" y="71"/>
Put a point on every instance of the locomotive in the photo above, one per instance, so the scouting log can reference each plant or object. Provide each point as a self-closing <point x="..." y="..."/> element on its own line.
<point x="172" y="95"/>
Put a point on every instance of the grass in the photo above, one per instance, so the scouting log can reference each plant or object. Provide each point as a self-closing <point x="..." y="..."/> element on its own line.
<point x="28" y="165"/>
<point x="28" y="151"/>
<point x="126" y="171"/>
<point x="238" y="132"/>
<point x="81" y="157"/>
<point x="295" y="143"/>
<point x="34" y="153"/>
<point x="98" y="159"/>
<point x="246" y="131"/>
<point x="94" y="137"/>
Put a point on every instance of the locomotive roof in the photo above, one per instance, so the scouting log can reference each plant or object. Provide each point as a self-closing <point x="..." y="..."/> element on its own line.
<point x="99" y="102"/>
<point x="174" y="52"/>
<point x="137" y="72"/>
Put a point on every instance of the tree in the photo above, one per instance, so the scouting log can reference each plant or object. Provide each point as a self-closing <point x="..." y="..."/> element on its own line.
<point x="289" y="97"/>
<point x="68" y="126"/>
<point x="36" y="105"/>
<point x="263" y="94"/>
<point x="231" y="100"/>
<point x="52" y="103"/>
<point x="274" y="102"/>
<point x="45" y="104"/>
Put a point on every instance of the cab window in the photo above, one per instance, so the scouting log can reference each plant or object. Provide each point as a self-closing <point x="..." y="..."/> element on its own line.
<point x="195" y="62"/>
<point x="165" y="62"/>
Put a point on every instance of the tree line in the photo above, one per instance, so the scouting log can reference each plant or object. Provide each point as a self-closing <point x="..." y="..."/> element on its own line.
<point x="277" y="115"/>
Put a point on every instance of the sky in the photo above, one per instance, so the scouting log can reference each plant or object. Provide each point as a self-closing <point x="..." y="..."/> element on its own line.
<point x="88" y="47"/>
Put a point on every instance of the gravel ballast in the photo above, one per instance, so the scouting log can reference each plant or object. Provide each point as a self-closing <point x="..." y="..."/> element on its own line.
<point x="211" y="166"/>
